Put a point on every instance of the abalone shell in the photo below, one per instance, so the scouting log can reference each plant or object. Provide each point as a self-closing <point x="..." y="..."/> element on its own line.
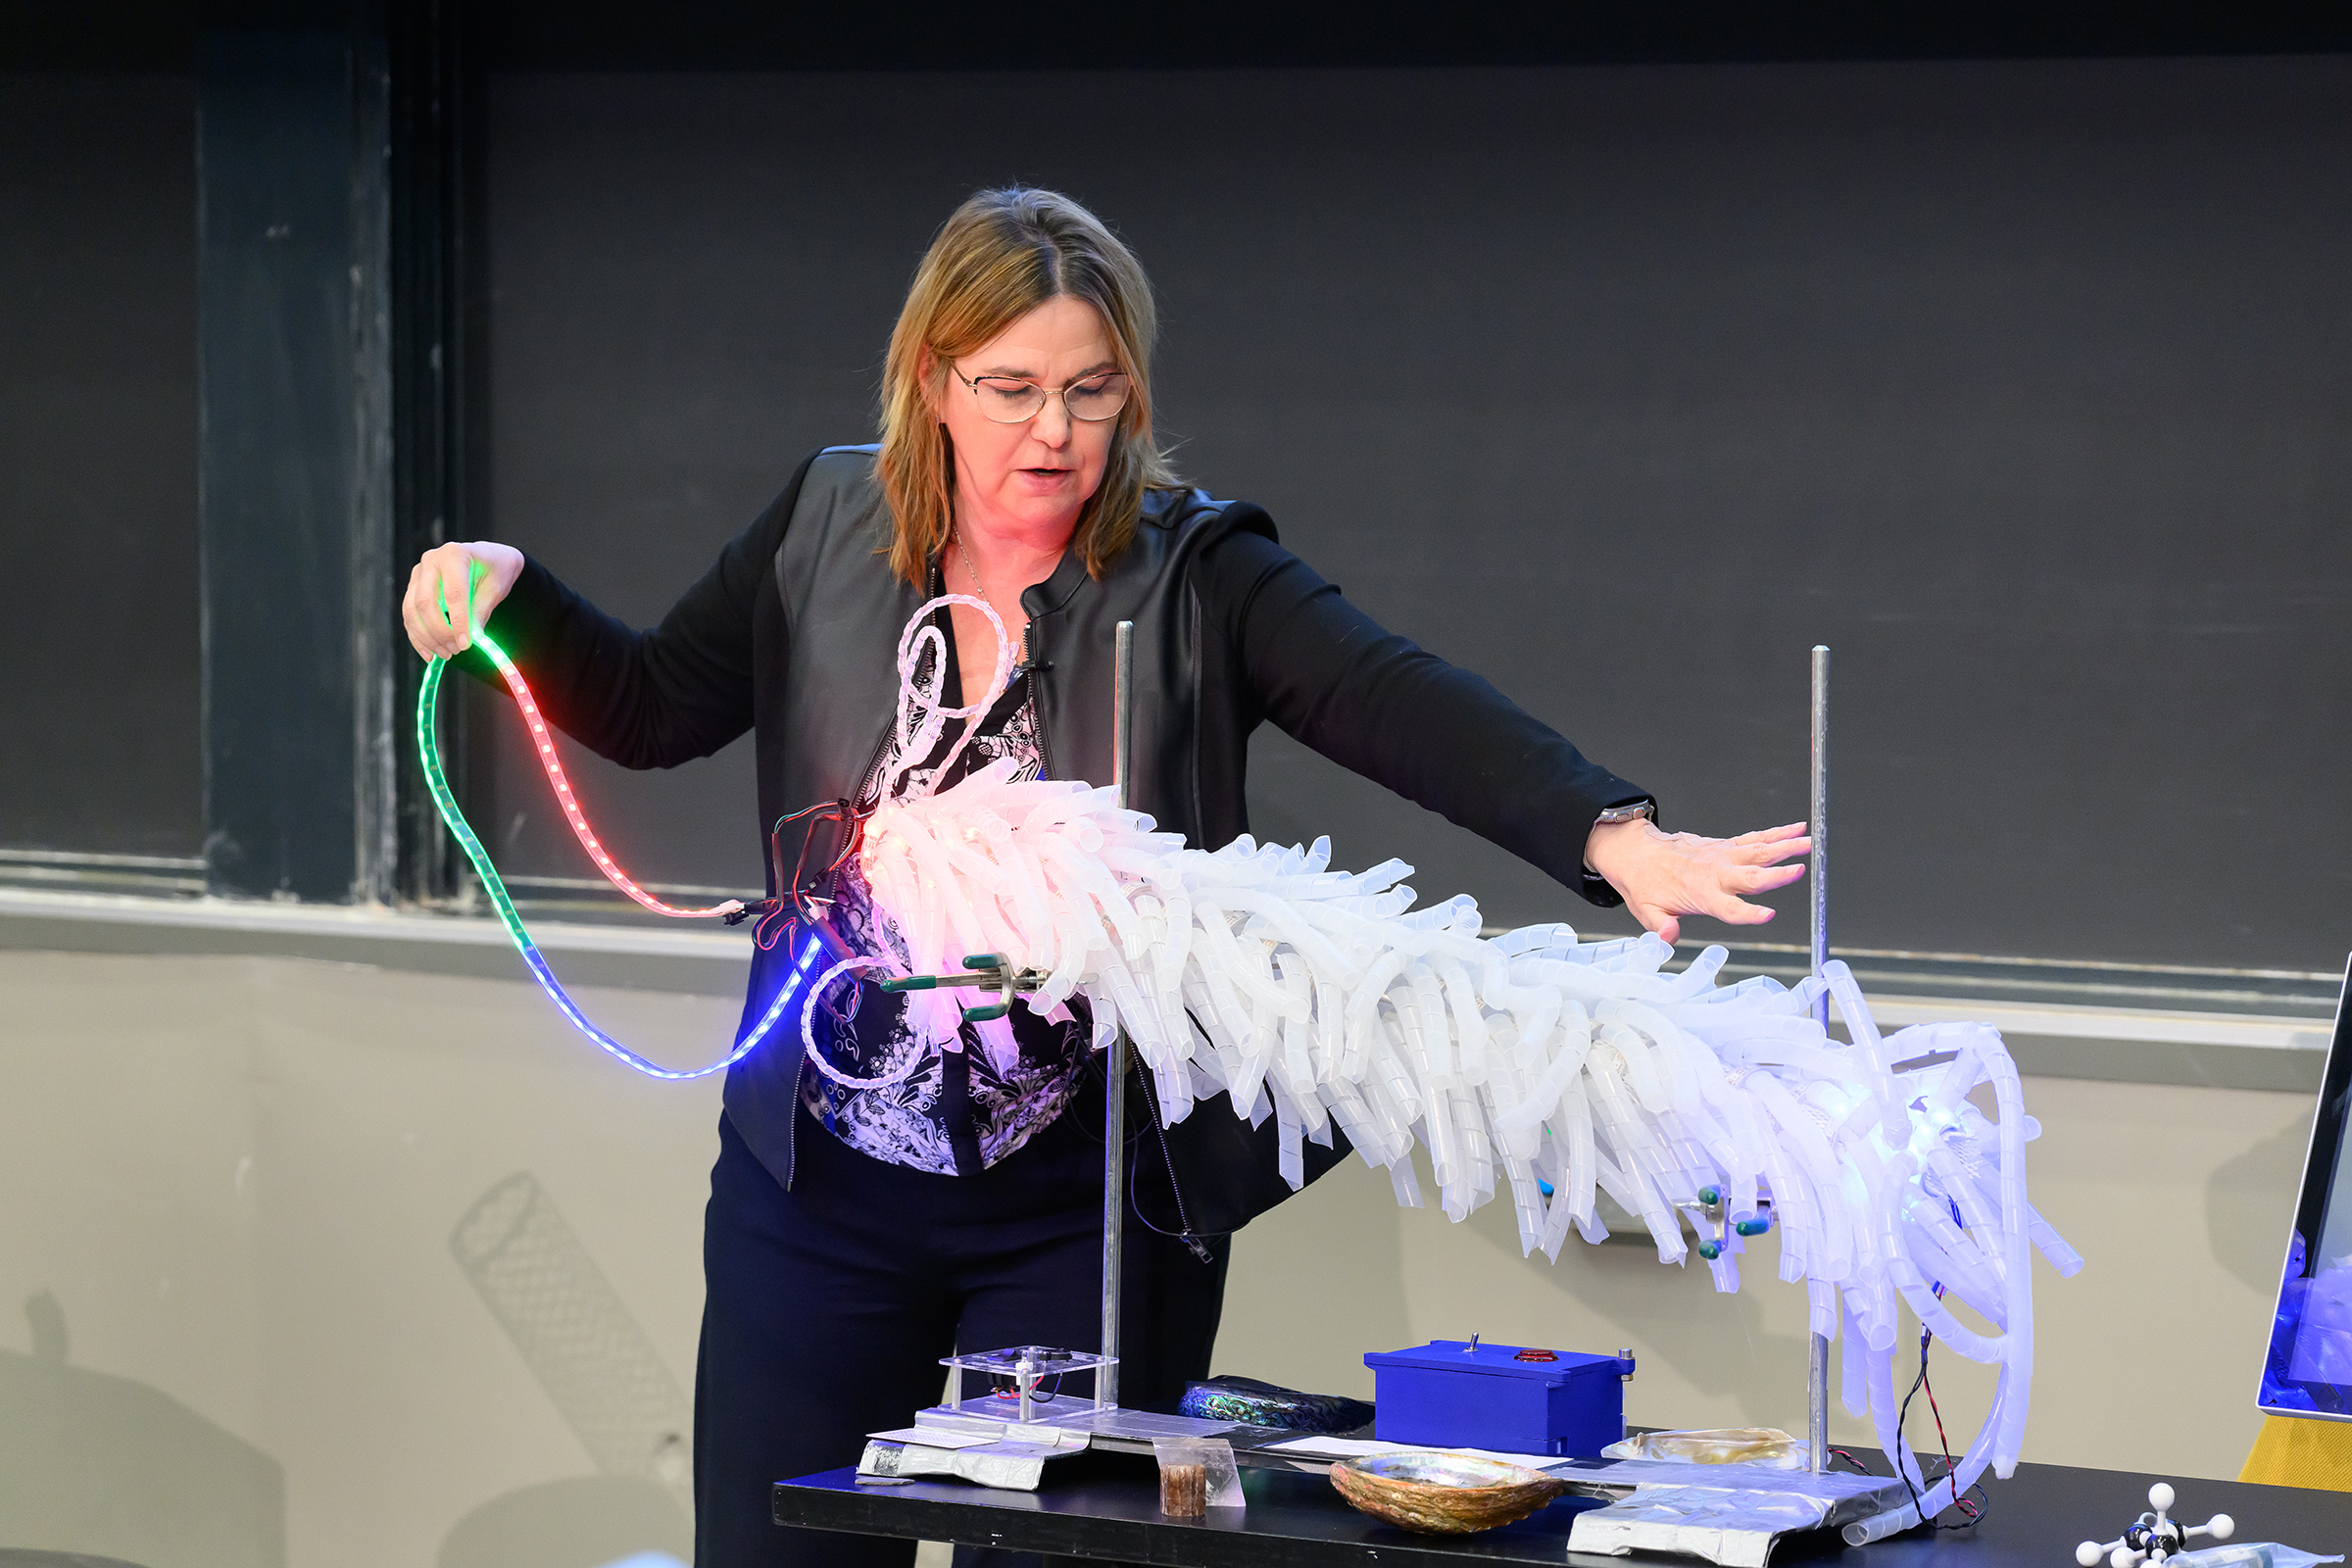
<point x="1443" y="1494"/>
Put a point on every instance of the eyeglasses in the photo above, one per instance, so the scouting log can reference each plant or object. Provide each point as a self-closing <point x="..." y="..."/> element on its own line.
<point x="1010" y="400"/>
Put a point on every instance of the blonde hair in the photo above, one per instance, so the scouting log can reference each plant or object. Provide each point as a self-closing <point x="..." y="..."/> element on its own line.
<point x="1000" y="255"/>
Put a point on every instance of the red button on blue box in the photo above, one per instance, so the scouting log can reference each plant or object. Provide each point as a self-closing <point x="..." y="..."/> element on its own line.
<point x="1453" y="1394"/>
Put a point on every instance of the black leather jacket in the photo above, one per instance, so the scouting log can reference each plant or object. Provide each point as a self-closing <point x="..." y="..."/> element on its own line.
<point x="793" y="633"/>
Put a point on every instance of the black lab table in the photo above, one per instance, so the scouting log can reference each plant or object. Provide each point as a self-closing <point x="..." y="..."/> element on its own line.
<point x="1105" y="1507"/>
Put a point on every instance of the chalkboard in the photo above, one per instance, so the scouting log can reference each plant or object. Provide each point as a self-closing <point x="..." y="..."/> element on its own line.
<point x="100" y="748"/>
<point x="2025" y="386"/>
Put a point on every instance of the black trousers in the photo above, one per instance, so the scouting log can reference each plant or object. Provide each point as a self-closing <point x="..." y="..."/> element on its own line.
<point x="829" y="1306"/>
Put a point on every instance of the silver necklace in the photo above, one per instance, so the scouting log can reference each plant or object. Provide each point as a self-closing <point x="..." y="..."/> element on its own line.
<point x="1018" y="634"/>
<point x="974" y="573"/>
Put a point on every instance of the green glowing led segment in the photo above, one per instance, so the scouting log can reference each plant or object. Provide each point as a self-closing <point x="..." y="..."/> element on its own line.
<point x="436" y="779"/>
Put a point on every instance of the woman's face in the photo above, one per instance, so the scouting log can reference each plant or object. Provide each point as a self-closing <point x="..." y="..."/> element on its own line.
<point x="1030" y="479"/>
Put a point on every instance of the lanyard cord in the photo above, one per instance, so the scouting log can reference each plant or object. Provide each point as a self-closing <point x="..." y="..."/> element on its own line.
<point x="429" y="749"/>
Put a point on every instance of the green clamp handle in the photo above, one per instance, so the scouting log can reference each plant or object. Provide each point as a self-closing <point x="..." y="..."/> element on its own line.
<point x="987" y="969"/>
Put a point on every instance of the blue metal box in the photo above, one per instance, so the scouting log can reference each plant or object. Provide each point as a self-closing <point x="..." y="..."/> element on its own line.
<point x="1509" y="1398"/>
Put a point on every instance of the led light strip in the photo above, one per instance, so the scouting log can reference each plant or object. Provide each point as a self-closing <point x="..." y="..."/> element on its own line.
<point x="545" y="742"/>
<point x="428" y="748"/>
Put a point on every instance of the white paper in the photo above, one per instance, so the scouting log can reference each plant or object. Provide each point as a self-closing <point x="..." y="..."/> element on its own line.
<point x="1730" y="1527"/>
<point x="936" y="1437"/>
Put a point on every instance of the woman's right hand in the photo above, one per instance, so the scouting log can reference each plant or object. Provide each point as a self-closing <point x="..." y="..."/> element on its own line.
<point x="471" y="578"/>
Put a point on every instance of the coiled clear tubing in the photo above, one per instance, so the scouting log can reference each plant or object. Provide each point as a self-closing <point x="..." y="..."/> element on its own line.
<point x="1530" y="1063"/>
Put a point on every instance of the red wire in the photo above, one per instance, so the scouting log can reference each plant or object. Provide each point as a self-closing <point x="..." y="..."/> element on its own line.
<point x="1927" y="1388"/>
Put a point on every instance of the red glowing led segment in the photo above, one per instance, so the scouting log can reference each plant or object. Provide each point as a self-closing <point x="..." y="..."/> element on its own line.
<point x="554" y="765"/>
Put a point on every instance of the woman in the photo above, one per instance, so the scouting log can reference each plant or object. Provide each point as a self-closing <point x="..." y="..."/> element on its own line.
<point x="856" y="1235"/>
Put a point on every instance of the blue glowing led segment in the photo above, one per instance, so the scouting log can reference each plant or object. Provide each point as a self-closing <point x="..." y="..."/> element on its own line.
<point x="571" y="1010"/>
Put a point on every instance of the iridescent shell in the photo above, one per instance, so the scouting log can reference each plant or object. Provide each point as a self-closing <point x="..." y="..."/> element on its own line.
<point x="1266" y="1404"/>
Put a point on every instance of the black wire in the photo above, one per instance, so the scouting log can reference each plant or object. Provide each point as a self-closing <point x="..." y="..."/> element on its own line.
<point x="1971" y="1514"/>
<point x="1192" y="1239"/>
<point x="1013" y="1390"/>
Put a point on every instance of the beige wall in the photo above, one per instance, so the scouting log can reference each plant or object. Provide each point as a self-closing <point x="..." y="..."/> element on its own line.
<point x="238" y="1178"/>
<point x="232" y="1329"/>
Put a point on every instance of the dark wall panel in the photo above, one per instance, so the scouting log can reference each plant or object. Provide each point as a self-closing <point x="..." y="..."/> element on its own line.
<point x="99" y="718"/>
<point x="2027" y="387"/>
<point x="295" y="488"/>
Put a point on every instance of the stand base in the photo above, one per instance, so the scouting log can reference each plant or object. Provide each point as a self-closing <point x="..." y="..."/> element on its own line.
<point x="981" y="1441"/>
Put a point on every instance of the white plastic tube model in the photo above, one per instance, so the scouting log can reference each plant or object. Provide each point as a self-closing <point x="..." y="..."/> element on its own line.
<point x="1520" y="1061"/>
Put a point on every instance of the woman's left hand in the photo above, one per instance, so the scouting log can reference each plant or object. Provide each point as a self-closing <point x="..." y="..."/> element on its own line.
<point x="1665" y="877"/>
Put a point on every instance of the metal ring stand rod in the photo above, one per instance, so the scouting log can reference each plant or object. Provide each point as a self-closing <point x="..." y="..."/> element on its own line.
<point x="1817" y="1394"/>
<point x="1114" y="1065"/>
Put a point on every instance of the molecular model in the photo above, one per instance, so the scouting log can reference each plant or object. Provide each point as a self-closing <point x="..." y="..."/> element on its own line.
<point x="2153" y="1537"/>
<point x="1526" y="1064"/>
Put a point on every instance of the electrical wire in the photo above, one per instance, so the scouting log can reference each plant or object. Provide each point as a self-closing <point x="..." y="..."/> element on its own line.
<point x="1037" y="1394"/>
<point x="1970" y="1512"/>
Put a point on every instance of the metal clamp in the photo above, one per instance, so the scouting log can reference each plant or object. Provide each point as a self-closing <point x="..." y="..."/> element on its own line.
<point x="984" y="972"/>
<point x="1712" y="1207"/>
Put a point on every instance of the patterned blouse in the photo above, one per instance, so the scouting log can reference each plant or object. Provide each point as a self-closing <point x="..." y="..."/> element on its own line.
<point x="961" y="1111"/>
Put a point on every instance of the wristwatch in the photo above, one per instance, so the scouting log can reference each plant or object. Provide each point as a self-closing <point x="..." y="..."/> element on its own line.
<point x="1629" y="812"/>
